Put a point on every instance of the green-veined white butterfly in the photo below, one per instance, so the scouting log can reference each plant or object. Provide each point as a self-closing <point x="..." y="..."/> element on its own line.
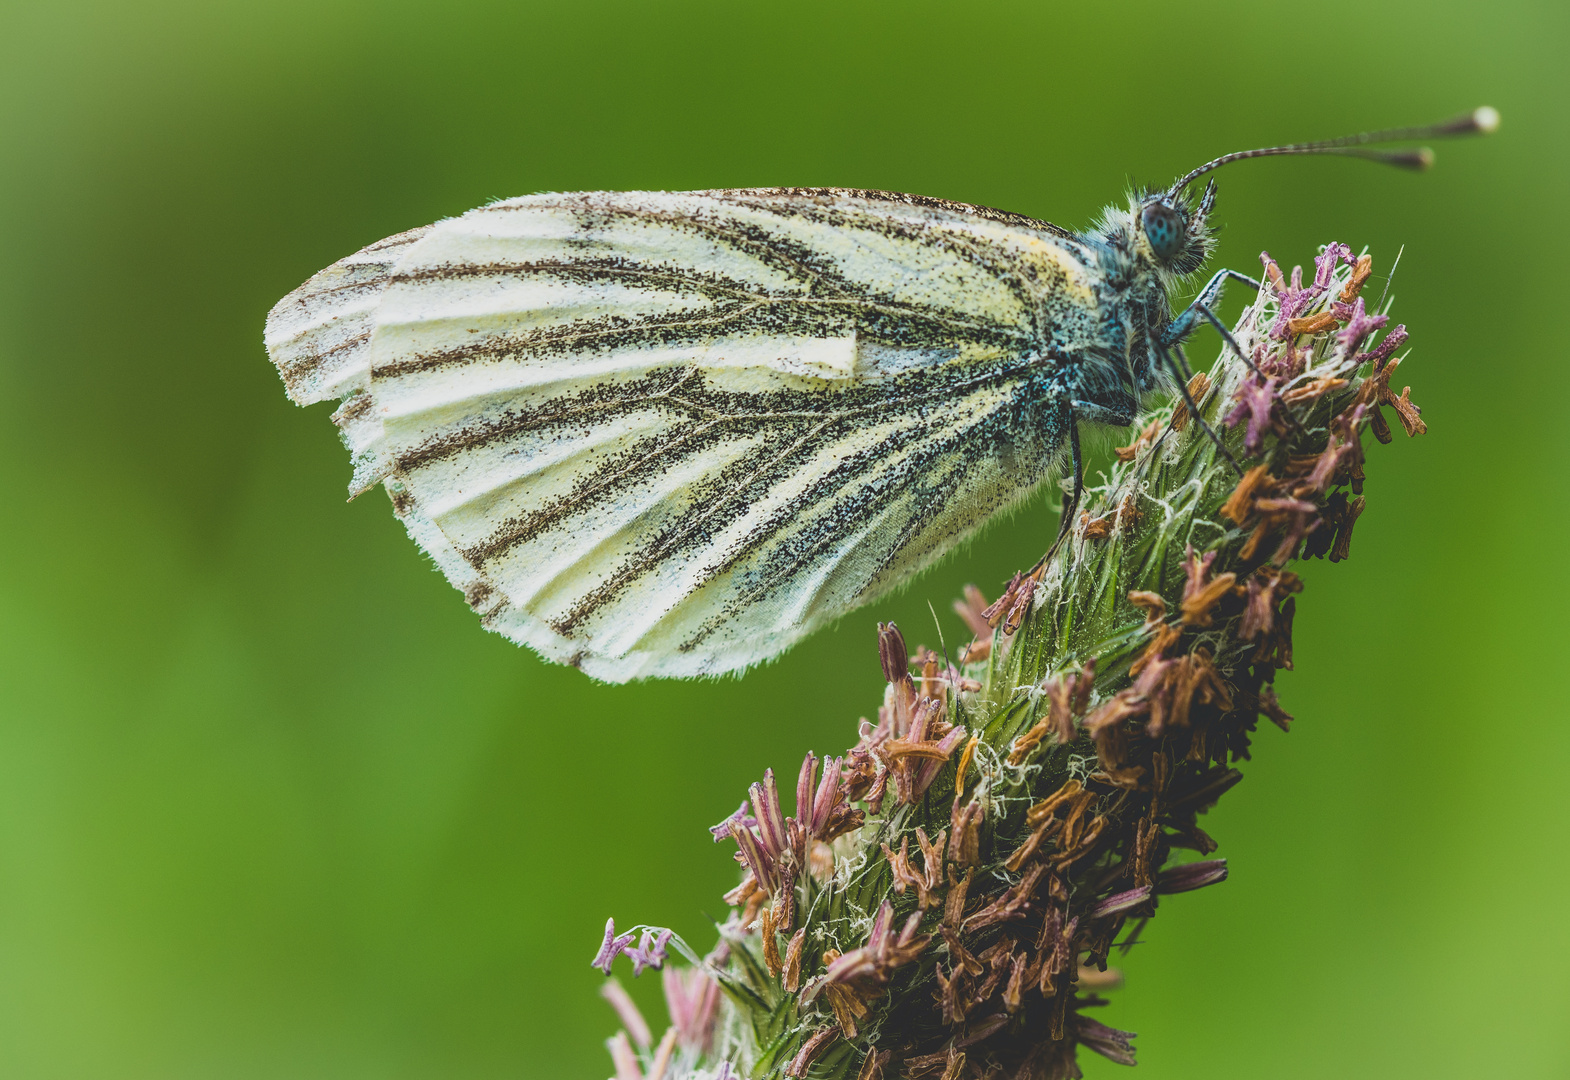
<point x="670" y="434"/>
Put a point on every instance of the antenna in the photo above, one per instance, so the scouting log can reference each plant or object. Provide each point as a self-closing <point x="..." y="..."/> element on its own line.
<point x="1480" y="121"/>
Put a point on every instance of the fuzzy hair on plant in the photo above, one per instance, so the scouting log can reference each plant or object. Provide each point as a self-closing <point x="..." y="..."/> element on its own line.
<point x="948" y="895"/>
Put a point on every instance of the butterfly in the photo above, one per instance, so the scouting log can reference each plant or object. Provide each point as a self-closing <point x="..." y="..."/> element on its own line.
<point x="672" y="433"/>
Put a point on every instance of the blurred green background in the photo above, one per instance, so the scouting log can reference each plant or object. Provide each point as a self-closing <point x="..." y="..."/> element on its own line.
<point x="273" y="805"/>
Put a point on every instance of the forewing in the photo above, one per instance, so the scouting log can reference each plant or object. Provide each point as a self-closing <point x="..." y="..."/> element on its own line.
<point x="670" y="434"/>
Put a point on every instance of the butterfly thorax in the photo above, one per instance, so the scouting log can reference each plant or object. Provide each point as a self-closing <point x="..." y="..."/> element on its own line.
<point x="1133" y="285"/>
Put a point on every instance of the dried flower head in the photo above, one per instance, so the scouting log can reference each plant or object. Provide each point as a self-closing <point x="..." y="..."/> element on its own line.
<point x="947" y="897"/>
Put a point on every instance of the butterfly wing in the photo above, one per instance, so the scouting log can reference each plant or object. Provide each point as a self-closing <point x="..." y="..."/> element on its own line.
<point x="669" y="434"/>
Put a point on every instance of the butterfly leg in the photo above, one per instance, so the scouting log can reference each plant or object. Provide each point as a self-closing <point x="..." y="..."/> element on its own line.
<point x="1071" y="498"/>
<point x="1203" y="307"/>
<point x="1208" y="298"/>
<point x="1178" y="365"/>
<point x="1226" y="335"/>
<point x="1071" y="503"/>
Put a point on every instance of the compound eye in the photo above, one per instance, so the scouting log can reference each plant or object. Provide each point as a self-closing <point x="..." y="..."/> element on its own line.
<point x="1164" y="228"/>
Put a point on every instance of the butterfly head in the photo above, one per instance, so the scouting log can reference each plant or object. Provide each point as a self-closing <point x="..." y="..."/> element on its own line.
<point x="1172" y="232"/>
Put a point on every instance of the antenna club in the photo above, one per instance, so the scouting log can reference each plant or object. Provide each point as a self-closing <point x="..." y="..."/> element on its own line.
<point x="1486" y="119"/>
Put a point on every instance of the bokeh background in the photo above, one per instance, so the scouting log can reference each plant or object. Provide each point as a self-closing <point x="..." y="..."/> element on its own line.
<point x="273" y="805"/>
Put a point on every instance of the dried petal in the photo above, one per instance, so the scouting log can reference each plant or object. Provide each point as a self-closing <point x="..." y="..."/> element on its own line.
<point x="1256" y="409"/>
<point x="1109" y="1042"/>
<point x="1360" y="274"/>
<point x="810" y="1050"/>
<point x="1358" y="327"/>
<point x="1190" y="876"/>
<point x="1120" y="902"/>
<point x="611" y="947"/>
<point x="892" y="653"/>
